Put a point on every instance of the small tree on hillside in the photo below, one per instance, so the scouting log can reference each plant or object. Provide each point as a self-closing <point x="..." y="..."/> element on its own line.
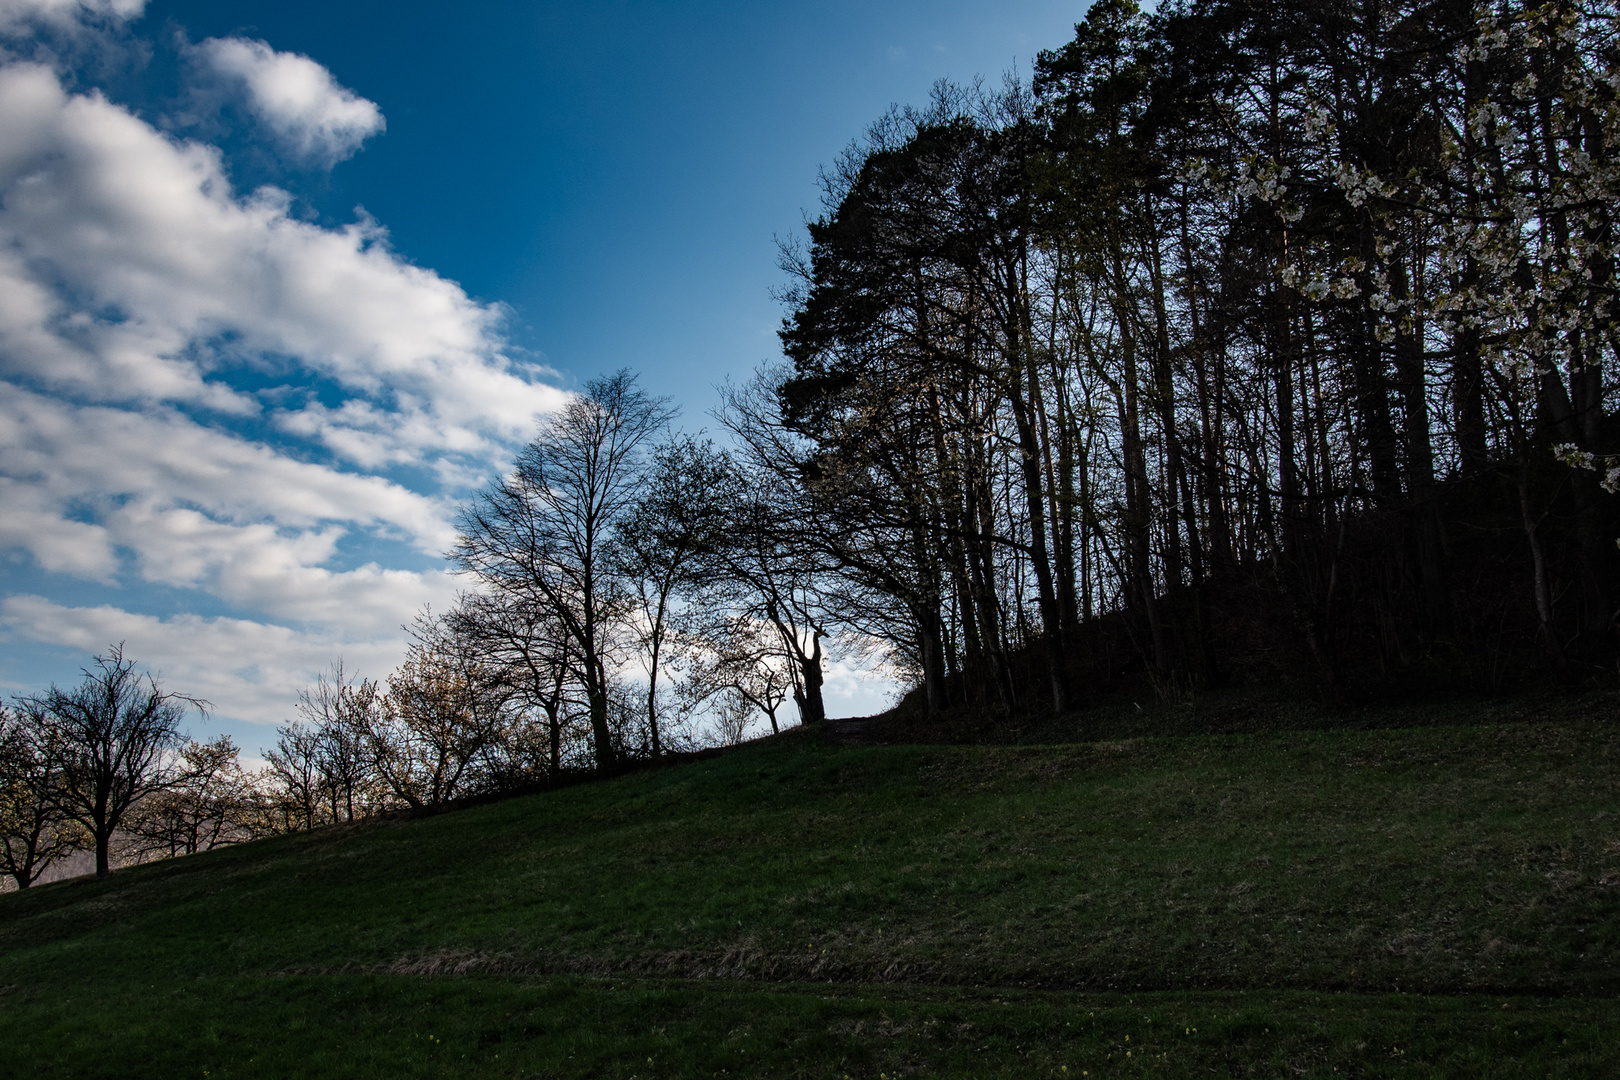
<point x="443" y="711"/>
<point x="294" y="784"/>
<point x="119" y="731"/>
<point x="321" y="771"/>
<point x="737" y="668"/>
<point x="212" y="805"/>
<point x="526" y="647"/>
<point x="340" y="709"/>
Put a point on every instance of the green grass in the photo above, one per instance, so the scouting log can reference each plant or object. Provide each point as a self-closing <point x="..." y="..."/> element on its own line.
<point x="1435" y="900"/>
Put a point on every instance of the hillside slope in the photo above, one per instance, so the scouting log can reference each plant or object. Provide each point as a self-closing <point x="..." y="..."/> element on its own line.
<point x="799" y="908"/>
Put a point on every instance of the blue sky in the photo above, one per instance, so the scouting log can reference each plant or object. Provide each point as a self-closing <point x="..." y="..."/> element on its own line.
<point x="280" y="282"/>
<point x="615" y="172"/>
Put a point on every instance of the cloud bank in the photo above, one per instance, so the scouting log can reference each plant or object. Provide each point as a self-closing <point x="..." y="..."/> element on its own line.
<point x="203" y="394"/>
<point x="247" y="670"/>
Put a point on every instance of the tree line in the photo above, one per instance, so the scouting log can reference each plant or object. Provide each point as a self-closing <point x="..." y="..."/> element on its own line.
<point x="632" y="593"/>
<point x="629" y="597"/>
<point x="1250" y="340"/>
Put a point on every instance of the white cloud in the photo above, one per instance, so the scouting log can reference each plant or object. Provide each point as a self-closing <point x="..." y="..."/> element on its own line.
<point x="131" y="272"/>
<point x="197" y="390"/>
<point x="78" y="453"/>
<point x="16" y="15"/>
<point x="260" y="568"/>
<point x="314" y="118"/>
<point x="248" y="670"/>
<point x="36" y="522"/>
<point x="855" y="687"/>
<point x="196" y="507"/>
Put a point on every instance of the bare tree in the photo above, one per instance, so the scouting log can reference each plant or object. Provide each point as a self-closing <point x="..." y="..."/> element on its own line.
<point x="771" y="563"/>
<point x="294" y="778"/>
<point x="119" y="732"/>
<point x="212" y="805"/>
<point x="321" y="769"/>
<point x="545" y="532"/>
<point x="444" y="709"/>
<point x="738" y="668"/>
<point x="680" y="517"/>
<point x="340" y="708"/>
<point x="521" y="638"/>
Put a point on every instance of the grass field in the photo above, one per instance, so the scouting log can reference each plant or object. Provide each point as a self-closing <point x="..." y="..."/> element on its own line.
<point x="1437" y="900"/>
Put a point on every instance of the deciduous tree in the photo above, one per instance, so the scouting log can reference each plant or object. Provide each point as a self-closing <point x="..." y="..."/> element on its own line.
<point x="34" y="830"/>
<point x="119" y="733"/>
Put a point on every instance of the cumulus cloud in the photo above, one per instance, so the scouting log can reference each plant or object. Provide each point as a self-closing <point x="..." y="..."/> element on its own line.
<point x="77" y="453"/>
<point x="314" y="118"/>
<point x="131" y="271"/>
<point x="35" y="522"/>
<point x="86" y="489"/>
<point x="17" y="15"/>
<point x="200" y="391"/>
<point x="248" y="670"/>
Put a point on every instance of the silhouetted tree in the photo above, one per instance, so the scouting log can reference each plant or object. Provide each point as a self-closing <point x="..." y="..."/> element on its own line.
<point x="679" y="518"/>
<point x="544" y="534"/>
<point x="34" y="830"/>
<point x="119" y="732"/>
<point x="213" y="804"/>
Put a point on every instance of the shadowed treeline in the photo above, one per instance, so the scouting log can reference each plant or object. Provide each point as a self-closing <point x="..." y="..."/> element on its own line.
<point x="1253" y="341"/>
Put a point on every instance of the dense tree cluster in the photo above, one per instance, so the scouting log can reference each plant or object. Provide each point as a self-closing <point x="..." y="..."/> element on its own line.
<point x="1252" y="338"/>
<point x="1250" y="341"/>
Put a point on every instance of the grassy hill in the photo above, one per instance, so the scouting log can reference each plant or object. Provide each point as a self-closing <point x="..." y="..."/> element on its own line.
<point x="1431" y="900"/>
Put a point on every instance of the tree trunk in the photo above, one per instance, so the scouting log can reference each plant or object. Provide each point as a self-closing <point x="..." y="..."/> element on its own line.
<point x="1541" y="584"/>
<point x="1040" y="559"/>
<point x="1425" y="519"/>
<point x="811" y="708"/>
<point x="1577" y="419"/>
<point x="596" y="697"/>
